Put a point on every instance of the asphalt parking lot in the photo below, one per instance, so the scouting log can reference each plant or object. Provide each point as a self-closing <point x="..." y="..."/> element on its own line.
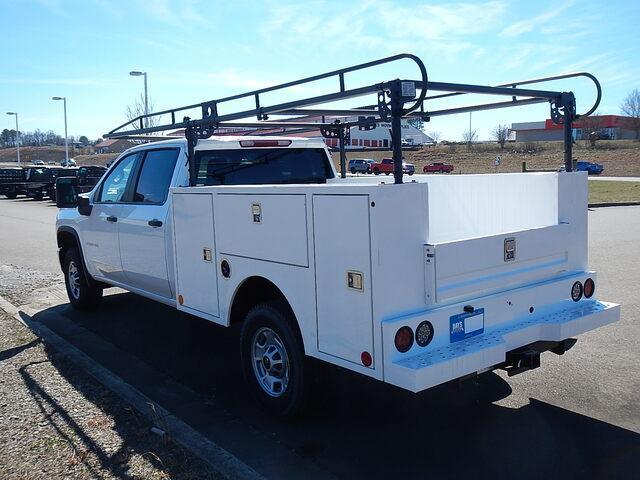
<point x="578" y="416"/>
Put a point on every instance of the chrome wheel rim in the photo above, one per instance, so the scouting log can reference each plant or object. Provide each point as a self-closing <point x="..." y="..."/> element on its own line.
<point x="73" y="275"/>
<point x="270" y="362"/>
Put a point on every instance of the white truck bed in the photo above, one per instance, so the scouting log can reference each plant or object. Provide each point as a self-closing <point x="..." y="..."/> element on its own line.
<point x="424" y="250"/>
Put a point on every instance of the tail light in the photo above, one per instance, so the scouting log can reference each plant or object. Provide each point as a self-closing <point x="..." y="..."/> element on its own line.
<point x="265" y="143"/>
<point x="424" y="333"/>
<point x="576" y="291"/>
<point x="404" y="339"/>
<point x="589" y="288"/>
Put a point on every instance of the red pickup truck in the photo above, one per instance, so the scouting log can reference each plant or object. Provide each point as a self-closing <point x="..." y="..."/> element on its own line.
<point x="438" y="168"/>
<point x="386" y="167"/>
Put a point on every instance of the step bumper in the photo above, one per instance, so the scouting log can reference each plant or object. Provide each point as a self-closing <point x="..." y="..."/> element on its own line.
<point x="425" y="370"/>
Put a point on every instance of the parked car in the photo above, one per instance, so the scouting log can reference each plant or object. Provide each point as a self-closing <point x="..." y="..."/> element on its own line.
<point x="70" y="163"/>
<point x="37" y="162"/>
<point x="386" y="167"/>
<point x="12" y="181"/>
<point x="40" y="181"/>
<point x="438" y="167"/>
<point x="360" y="165"/>
<point x="591" y="167"/>
<point x="408" y="168"/>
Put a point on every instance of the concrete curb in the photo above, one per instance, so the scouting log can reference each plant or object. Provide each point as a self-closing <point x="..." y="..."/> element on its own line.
<point x="215" y="456"/>
<point x="614" y="204"/>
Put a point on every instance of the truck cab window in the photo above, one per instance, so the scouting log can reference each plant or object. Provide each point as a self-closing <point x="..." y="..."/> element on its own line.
<point x="155" y="176"/>
<point x="115" y="185"/>
<point x="260" y="166"/>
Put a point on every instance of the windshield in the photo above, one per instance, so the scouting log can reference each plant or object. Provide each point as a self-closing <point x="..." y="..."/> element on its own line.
<point x="39" y="175"/>
<point x="259" y="166"/>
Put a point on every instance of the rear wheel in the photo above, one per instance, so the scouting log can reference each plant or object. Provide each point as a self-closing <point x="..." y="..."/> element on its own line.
<point x="83" y="294"/>
<point x="11" y="195"/>
<point x="353" y="170"/>
<point x="273" y="360"/>
<point x="376" y="171"/>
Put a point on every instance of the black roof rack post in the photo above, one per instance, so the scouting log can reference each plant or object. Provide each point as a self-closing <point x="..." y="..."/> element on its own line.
<point x="343" y="155"/>
<point x="192" y="140"/>
<point x="569" y="114"/>
<point x="397" y="105"/>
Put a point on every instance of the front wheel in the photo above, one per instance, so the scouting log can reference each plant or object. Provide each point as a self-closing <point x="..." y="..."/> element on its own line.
<point x="273" y="361"/>
<point x="82" y="294"/>
<point x="353" y="171"/>
<point x="11" y="196"/>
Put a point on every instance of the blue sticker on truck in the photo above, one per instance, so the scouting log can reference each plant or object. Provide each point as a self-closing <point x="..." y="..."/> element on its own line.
<point x="465" y="325"/>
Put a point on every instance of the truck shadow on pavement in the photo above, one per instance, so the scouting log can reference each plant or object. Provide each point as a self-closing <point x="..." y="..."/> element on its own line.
<point x="356" y="427"/>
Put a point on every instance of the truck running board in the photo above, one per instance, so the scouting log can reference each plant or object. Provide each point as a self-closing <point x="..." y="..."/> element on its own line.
<point x="528" y="357"/>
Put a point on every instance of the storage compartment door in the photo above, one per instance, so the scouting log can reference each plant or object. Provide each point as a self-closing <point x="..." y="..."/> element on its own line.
<point x="341" y="238"/>
<point x="196" y="275"/>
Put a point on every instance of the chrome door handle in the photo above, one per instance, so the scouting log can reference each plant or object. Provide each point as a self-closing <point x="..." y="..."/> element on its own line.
<point x="155" y="223"/>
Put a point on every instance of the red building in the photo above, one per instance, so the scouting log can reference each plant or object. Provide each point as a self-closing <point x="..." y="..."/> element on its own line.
<point x="608" y="126"/>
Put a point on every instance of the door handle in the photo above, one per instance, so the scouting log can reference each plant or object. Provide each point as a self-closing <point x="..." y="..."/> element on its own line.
<point x="155" y="223"/>
<point x="112" y="219"/>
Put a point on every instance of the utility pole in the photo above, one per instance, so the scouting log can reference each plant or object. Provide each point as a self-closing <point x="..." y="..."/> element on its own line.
<point x="17" y="134"/>
<point x="66" y="144"/>
<point x="137" y="73"/>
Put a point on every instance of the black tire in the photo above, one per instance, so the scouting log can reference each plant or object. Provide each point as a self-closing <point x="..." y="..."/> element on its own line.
<point x="83" y="293"/>
<point x="386" y="173"/>
<point x="369" y="171"/>
<point x="288" y="400"/>
<point x="410" y="173"/>
<point x="353" y="170"/>
<point x="376" y="171"/>
<point x="11" y="196"/>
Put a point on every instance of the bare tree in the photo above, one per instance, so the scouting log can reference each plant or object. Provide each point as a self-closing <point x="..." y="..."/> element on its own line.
<point x="631" y="108"/>
<point x="435" y="136"/>
<point x="500" y="135"/>
<point x="136" y="109"/>
<point x="470" y="137"/>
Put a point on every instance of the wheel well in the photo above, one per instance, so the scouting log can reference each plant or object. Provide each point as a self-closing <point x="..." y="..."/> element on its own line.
<point x="254" y="291"/>
<point x="66" y="240"/>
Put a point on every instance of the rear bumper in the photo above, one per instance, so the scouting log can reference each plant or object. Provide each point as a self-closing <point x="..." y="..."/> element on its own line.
<point x="447" y="361"/>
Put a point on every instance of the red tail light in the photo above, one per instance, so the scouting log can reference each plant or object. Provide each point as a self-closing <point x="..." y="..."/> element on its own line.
<point x="589" y="287"/>
<point x="265" y="143"/>
<point x="404" y="339"/>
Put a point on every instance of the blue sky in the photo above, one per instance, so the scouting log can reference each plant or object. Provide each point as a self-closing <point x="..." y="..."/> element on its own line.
<point x="195" y="51"/>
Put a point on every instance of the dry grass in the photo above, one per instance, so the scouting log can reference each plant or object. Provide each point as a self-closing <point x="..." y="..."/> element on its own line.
<point x="619" y="157"/>
<point x="603" y="191"/>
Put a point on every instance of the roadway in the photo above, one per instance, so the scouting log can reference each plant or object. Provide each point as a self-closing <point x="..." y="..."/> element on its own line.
<point x="578" y="416"/>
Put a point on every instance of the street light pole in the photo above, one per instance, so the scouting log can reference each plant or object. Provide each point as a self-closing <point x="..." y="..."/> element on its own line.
<point x="17" y="134"/>
<point x="137" y="73"/>
<point x="66" y="144"/>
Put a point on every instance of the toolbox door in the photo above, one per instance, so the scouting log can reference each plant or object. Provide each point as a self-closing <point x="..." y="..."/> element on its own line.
<point x="343" y="275"/>
<point x="196" y="276"/>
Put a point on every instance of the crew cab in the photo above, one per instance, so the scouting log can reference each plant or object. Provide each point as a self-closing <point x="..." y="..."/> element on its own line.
<point x="481" y="272"/>
<point x="386" y="166"/>
<point x="437" y="167"/>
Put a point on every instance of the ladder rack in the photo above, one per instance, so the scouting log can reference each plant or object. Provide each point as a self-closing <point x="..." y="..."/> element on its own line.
<point x="396" y="99"/>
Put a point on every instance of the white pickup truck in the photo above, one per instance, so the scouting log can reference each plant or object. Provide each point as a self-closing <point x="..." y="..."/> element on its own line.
<point x="413" y="284"/>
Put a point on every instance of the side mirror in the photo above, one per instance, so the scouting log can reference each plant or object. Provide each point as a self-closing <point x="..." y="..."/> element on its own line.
<point x="84" y="206"/>
<point x="66" y="192"/>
